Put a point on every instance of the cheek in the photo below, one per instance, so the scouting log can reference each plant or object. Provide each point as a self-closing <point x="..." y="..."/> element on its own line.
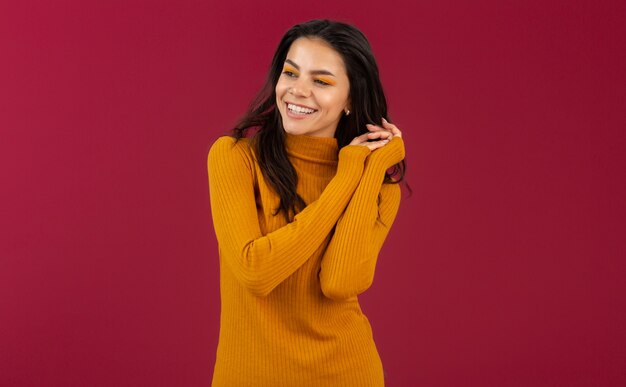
<point x="281" y="86"/>
<point x="334" y="103"/>
<point x="277" y="90"/>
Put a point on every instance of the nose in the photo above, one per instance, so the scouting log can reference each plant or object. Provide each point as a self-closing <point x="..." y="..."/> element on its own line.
<point x="300" y="88"/>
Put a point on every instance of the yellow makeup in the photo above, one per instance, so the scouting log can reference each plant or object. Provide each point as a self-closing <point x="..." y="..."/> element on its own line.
<point x="291" y="69"/>
<point x="327" y="80"/>
<point x="296" y="72"/>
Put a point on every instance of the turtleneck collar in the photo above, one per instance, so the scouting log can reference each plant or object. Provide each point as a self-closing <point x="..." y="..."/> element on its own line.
<point x="319" y="149"/>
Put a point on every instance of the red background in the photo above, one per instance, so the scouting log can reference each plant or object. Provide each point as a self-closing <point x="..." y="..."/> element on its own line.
<point x="505" y="268"/>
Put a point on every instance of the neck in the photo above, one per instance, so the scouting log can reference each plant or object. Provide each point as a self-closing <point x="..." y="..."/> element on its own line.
<point x="312" y="148"/>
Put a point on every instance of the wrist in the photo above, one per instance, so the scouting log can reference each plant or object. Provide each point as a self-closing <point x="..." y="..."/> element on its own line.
<point x="387" y="156"/>
<point x="352" y="158"/>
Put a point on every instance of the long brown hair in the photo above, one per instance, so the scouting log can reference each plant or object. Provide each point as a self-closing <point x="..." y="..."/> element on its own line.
<point x="368" y="104"/>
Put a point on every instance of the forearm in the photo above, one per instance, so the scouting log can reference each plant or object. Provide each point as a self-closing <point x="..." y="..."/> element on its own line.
<point x="261" y="262"/>
<point x="349" y="263"/>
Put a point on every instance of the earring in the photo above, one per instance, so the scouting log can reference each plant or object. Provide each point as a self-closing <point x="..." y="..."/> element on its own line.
<point x="347" y="112"/>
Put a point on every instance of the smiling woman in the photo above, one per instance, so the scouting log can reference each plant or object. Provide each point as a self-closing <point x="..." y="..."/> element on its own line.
<point x="311" y="99"/>
<point x="301" y="210"/>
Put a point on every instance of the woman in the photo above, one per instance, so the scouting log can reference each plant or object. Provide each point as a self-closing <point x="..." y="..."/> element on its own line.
<point x="300" y="210"/>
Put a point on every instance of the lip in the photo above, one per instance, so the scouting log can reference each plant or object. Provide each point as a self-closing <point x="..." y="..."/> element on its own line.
<point x="297" y="104"/>
<point x="294" y="116"/>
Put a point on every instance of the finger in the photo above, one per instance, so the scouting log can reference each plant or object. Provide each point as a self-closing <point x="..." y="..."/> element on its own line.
<point x="375" y="135"/>
<point x="376" y="129"/>
<point x="380" y="134"/>
<point x="363" y="138"/>
<point x="372" y="137"/>
<point x="391" y="127"/>
<point x="373" y="145"/>
<point x="394" y="129"/>
<point x="373" y="127"/>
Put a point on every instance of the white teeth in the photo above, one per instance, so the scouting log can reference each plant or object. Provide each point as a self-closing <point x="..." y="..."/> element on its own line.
<point x="298" y="109"/>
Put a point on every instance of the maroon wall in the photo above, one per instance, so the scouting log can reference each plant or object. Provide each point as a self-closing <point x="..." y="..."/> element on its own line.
<point x="505" y="268"/>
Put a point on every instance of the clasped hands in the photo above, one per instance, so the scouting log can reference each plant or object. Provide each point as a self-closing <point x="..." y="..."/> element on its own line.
<point x="378" y="137"/>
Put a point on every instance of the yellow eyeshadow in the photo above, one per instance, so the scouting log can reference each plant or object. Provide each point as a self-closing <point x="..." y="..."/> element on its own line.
<point x="329" y="81"/>
<point x="289" y="68"/>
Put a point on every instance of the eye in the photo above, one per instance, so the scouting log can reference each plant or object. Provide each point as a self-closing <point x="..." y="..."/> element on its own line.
<point x="319" y="81"/>
<point x="289" y="73"/>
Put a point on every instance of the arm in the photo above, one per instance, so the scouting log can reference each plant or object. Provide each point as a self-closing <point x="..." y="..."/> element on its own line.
<point x="348" y="266"/>
<point x="261" y="262"/>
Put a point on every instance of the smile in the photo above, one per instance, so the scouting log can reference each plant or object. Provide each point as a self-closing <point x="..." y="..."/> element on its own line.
<point x="299" y="110"/>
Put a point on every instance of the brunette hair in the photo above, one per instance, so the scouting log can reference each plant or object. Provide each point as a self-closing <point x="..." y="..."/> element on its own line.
<point x="368" y="106"/>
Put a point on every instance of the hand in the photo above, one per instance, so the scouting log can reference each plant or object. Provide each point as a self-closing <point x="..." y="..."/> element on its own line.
<point x="392" y="153"/>
<point x="390" y="128"/>
<point x="380" y="137"/>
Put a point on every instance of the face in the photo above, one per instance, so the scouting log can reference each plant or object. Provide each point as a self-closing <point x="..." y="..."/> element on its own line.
<point x="313" y="89"/>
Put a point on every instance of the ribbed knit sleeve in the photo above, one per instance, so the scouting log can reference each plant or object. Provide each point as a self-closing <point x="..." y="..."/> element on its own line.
<point x="347" y="267"/>
<point x="261" y="262"/>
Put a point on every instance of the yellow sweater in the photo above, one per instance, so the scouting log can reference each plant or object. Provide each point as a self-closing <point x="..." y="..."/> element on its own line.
<point x="290" y="314"/>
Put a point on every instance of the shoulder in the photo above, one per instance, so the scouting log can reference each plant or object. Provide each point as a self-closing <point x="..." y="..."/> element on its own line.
<point x="227" y="151"/>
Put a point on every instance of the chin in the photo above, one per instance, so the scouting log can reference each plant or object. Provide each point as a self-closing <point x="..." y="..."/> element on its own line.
<point x="295" y="128"/>
<point x="292" y="130"/>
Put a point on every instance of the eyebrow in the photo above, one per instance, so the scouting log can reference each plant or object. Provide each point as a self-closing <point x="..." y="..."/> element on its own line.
<point x="316" y="72"/>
